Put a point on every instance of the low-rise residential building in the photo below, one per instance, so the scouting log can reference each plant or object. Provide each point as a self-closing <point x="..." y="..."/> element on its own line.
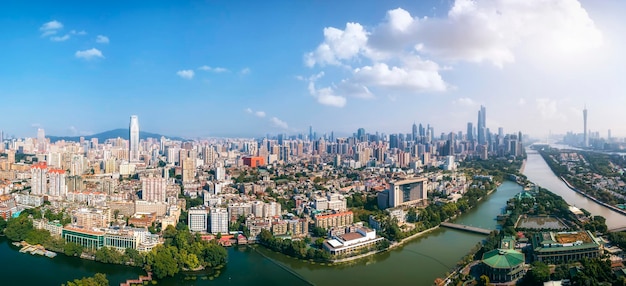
<point x="334" y="219"/>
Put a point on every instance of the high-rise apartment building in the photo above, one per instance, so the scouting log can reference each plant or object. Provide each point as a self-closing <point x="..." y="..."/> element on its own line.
<point x="219" y="220"/>
<point x="39" y="178"/>
<point x="133" y="151"/>
<point x="197" y="219"/>
<point x="153" y="189"/>
<point x="57" y="186"/>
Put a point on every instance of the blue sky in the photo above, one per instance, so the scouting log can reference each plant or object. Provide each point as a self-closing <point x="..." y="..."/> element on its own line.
<point x="248" y="68"/>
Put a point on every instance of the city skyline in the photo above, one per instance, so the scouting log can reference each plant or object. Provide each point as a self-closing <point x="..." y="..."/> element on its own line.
<point x="197" y="70"/>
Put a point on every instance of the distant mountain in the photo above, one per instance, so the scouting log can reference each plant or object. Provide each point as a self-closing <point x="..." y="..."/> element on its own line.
<point x="111" y="134"/>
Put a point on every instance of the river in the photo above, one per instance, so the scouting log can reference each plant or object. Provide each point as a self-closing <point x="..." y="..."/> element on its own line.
<point x="538" y="171"/>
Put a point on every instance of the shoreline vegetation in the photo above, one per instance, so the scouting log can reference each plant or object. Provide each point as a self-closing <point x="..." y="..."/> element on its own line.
<point x="562" y="173"/>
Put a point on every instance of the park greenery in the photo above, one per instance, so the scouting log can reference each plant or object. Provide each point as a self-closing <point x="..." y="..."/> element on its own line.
<point x="295" y="248"/>
<point x="99" y="279"/>
<point x="183" y="250"/>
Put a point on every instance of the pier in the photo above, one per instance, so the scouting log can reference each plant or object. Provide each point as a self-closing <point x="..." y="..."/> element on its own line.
<point x="466" y="228"/>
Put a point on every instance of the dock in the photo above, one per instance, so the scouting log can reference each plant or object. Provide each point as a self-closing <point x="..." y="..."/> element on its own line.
<point x="466" y="228"/>
<point x="35" y="249"/>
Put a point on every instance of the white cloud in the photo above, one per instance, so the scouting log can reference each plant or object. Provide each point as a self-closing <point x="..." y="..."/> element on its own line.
<point x="521" y="101"/>
<point x="213" y="69"/>
<point x="403" y="52"/>
<point x="60" y="38"/>
<point x="494" y="31"/>
<point x="89" y="54"/>
<point x="325" y="95"/>
<point x="465" y="101"/>
<point x="186" y="74"/>
<point x="413" y="79"/>
<point x="338" y="45"/>
<point x="50" y="28"/>
<point x="245" y="71"/>
<point x="102" y="39"/>
<point x="259" y="113"/>
<point x="279" y="123"/>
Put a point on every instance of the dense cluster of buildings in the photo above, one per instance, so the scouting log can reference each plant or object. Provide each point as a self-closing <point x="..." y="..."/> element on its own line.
<point x="114" y="189"/>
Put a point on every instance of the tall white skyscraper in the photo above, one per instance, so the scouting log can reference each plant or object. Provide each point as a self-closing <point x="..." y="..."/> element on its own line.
<point x="133" y="154"/>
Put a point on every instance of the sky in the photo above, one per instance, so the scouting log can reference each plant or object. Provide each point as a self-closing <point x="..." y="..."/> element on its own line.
<point x="250" y="68"/>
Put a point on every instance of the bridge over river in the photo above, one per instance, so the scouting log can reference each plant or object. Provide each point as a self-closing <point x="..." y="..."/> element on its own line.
<point x="466" y="228"/>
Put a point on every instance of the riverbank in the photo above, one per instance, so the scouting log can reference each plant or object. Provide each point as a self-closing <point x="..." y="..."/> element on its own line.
<point x="521" y="169"/>
<point x="611" y="207"/>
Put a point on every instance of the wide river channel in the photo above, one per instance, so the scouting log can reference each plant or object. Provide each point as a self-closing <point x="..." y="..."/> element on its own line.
<point x="418" y="262"/>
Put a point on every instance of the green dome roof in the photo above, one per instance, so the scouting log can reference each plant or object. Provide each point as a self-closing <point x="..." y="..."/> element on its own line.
<point x="503" y="258"/>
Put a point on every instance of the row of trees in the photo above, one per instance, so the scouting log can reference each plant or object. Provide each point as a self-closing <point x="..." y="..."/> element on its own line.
<point x="295" y="248"/>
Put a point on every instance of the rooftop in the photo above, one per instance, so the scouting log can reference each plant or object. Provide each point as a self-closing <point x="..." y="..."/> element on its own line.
<point x="503" y="258"/>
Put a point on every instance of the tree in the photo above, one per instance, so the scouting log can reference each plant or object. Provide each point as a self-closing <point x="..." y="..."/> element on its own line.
<point x="483" y="280"/>
<point x="539" y="273"/>
<point x="17" y="229"/>
<point x="163" y="261"/>
<point x="72" y="249"/>
<point x="134" y="256"/>
<point x="3" y="224"/>
<point x="98" y="279"/>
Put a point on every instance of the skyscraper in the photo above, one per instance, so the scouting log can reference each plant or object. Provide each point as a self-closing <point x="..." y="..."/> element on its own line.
<point x="41" y="141"/>
<point x="414" y="132"/>
<point x="470" y="131"/>
<point x="481" y="128"/>
<point x="133" y="154"/>
<point x="586" y="136"/>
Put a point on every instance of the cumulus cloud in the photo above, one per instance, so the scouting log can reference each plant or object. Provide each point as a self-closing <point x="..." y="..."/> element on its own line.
<point x="279" y="123"/>
<point x="186" y="74"/>
<point x="213" y="69"/>
<point x="102" y="39"/>
<point x="402" y="52"/>
<point x="326" y="95"/>
<point x="338" y="45"/>
<point x="245" y="71"/>
<point x="92" y="53"/>
<point x="50" y="28"/>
